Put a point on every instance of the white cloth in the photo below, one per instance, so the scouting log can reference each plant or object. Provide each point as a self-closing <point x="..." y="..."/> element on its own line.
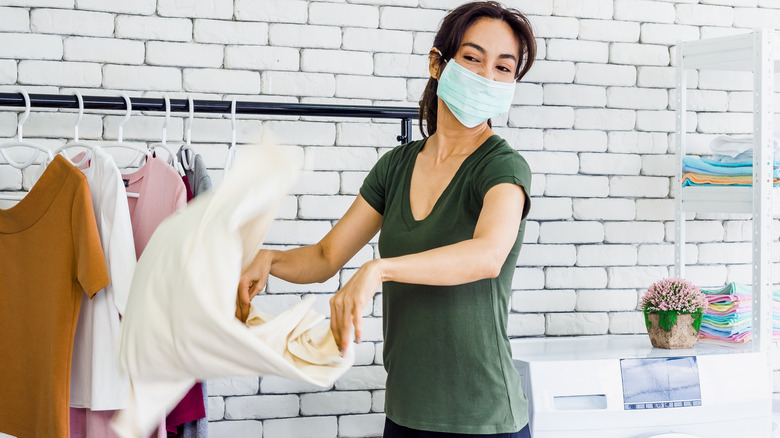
<point x="97" y="381"/>
<point x="180" y="323"/>
<point x="739" y="146"/>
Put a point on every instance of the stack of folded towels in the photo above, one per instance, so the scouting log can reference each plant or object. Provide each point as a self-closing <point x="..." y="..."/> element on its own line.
<point x="729" y="312"/>
<point x="731" y="163"/>
<point x="776" y="315"/>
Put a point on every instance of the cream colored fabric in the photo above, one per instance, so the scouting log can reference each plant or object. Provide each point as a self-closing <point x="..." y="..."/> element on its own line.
<point x="180" y="324"/>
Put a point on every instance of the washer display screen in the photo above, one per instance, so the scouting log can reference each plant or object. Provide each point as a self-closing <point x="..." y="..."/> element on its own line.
<point x="659" y="383"/>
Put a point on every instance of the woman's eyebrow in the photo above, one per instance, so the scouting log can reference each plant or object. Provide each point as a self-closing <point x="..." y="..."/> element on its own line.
<point x="483" y="51"/>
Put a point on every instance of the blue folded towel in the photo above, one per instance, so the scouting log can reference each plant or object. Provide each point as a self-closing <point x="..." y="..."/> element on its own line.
<point x="723" y="161"/>
<point x="697" y="165"/>
<point x="732" y="288"/>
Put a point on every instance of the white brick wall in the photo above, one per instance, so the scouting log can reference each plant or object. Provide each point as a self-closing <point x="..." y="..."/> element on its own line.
<point x="594" y="118"/>
<point x="605" y="74"/>
<point x="585" y="323"/>
<point x="304" y="427"/>
<point x="230" y="32"/>
<point x="604" y="209"/>
<point x="644" y="11"/>
<point x="196" y="8"/>
<point x="104" y="50"/>
<point x="68" y="22"/>
<point x="14" y="19"/>
<point x="153" y="28"/>
<point x="336" y="403"/>
<point x="30" y="46"/>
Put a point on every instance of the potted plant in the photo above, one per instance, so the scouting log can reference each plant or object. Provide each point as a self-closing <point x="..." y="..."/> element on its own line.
<point x="673" y="310"/>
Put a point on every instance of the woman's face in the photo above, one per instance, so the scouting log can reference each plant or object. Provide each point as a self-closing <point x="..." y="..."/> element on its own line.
<point x="490" y="49"/>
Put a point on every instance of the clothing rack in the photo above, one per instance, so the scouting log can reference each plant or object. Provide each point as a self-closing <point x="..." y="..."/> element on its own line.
<point x="405" y="114"/>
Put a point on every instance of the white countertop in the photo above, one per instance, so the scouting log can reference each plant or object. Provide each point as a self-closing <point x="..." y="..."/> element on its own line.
<point x="610" y="347"/>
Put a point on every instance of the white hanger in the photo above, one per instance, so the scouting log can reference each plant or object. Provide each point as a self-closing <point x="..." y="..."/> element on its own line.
<point x="187" y="154"/>
<point x="231" y="155"/>
<point x="140" y="152"/>
<point x="76" y="143"/>
<point x="21" y="143"/>
<point x="172" y="160"/>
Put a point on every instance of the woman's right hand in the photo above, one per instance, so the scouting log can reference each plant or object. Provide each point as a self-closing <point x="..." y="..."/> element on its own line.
<point x="252" y="282"/>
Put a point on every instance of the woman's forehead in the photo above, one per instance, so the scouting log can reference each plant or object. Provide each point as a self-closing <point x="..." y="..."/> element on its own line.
<point x="493" y="36"/>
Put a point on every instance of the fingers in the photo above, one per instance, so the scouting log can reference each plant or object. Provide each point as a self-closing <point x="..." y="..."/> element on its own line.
<point x="341" y="321"/>
<point x="255" y="287"/>
<point x="334" y="325"/>
<point x="242" y="300"/>
<point x="357" y="321"/>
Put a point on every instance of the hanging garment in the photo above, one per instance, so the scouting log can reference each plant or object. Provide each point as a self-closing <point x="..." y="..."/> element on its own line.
<point x="181" y="325"/>
<point x="160" y="193"/>
<point x="198" y="176"/>
<point x="188" y="187"/>
<point x="85" y="423"/>
<point x="177" y="422"/>
<point x="190" y="409"/>
<point x="97" y="380"/>
<point x="199" y="428"/>
<point x="201" y="181"/>
<point x="51" y="256"/>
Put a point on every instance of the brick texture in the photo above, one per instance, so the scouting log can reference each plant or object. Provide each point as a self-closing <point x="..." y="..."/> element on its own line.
<point x="594" y="119"/>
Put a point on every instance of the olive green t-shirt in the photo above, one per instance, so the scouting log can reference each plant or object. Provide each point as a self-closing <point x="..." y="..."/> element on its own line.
<point x="446" y="350"/>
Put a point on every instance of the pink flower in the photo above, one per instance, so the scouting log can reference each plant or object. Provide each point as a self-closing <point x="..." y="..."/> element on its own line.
<point x="673" y="294"/>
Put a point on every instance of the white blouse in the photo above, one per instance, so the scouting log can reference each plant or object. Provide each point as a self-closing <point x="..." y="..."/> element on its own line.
<point x="97" y="381"/>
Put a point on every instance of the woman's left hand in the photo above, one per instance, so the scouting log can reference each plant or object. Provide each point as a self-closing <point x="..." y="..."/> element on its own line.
<point x="346" y="307"/>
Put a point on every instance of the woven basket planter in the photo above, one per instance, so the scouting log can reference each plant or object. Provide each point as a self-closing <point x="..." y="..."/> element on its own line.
<point x="672" y="330"/>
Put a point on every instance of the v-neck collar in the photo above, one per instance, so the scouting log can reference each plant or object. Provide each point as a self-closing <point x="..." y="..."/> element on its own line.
<point x="141" y="175"/>
<point x="411" y="222"/>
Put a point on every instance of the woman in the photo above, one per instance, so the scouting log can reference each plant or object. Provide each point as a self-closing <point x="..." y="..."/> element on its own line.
<point x="451" y="209"/>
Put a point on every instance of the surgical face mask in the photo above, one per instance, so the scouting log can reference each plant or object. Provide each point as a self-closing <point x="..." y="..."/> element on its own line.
<point x="472" y="98"/>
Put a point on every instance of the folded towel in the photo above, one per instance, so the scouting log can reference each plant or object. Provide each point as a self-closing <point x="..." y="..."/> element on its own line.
<point x="725" y="331"/>
<point x="733" y="288"/>
<point x="723" y="295"/>
<point x="727" y="309"/>
<point x="744" y="157"/>
<point x="734" y="145"/>
<point x="699" y="179"/>
<point x="726" y="161"/>
<point x="726" y="321"/>
<point x="698" y="165"/>
<point x="740" y="338"/>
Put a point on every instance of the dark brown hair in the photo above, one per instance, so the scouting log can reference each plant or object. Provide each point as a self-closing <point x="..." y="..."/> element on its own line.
<point x="450" y="36"/>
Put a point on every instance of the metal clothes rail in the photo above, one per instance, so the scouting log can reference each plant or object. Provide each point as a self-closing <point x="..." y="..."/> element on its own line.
<point x="405" y="114"/>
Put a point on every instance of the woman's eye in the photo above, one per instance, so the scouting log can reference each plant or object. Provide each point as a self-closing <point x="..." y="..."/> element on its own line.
<point x="470" y="58"/>
<point x="504" y="69"/>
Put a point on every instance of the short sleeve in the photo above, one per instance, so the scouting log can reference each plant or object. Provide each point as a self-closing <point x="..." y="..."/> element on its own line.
<point x="180" y="198"/>
<point x="121" y="259"/>
<point x="506" y="166"/>
<point x="374" y="188"/>
<point x="92" y="274"/>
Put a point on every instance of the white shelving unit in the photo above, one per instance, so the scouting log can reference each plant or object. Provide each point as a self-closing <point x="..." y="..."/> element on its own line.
<point x="759" y="53"/>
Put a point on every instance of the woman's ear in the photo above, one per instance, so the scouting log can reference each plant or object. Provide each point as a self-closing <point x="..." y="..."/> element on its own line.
<point x="434" y="63"/>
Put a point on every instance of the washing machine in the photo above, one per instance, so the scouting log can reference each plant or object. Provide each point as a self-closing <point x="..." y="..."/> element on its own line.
<point x="621" y="387"/>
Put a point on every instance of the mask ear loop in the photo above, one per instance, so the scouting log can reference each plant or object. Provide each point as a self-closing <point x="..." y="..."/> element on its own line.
<point x="438" y="52"/>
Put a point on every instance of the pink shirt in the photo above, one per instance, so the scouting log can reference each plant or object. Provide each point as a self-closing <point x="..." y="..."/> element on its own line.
<point x="161" y="192"/>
